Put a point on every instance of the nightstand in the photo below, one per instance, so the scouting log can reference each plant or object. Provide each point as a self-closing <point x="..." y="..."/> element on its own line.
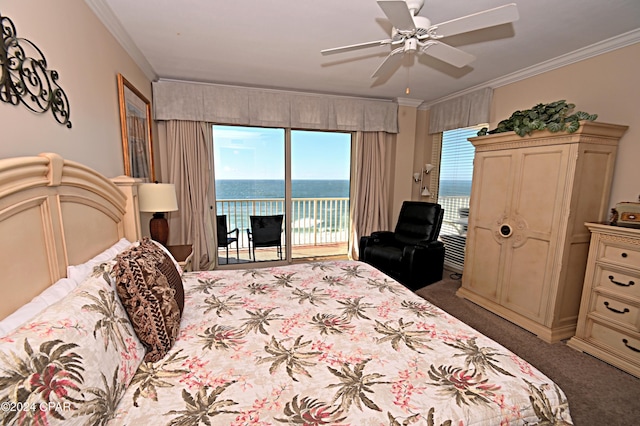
<point x="182" y="254"/>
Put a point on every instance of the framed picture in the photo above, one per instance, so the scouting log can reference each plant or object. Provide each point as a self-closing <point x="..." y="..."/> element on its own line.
<point x="135" y="121"/>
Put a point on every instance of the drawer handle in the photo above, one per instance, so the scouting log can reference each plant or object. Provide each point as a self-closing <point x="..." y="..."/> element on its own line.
<point x="624" y="255"/>
<point x="620" y="283"/>
<point x="626" y="343"/>
<point x="624" y="311"/>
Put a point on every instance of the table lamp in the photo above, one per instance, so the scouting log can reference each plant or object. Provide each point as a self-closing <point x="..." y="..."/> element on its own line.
<point x="158" y="198"/>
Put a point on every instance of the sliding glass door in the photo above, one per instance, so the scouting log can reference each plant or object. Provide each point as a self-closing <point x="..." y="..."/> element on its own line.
<point x="281" y="194"/>
<point x="320" y="169"/>
<point x="249" y="167"/>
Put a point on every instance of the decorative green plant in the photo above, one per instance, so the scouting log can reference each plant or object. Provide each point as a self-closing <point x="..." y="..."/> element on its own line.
<point x="553" y="116"/>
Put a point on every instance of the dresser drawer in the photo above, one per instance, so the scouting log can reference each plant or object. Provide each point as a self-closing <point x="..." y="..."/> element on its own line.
<point x="622" y="344"/>
<point x="626" y="256"/>
<point x="617" y="310"/>
<point x="625" y="284"/>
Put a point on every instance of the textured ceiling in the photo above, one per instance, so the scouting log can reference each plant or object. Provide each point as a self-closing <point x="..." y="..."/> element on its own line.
<point x="276" y="43"/>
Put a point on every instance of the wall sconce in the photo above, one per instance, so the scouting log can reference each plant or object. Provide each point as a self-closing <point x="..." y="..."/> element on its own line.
<point x="419" y="177"/>
<point x="158" y="198"/>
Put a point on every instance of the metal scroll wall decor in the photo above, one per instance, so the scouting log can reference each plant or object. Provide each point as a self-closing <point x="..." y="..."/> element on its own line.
<point x="26" y="79"/>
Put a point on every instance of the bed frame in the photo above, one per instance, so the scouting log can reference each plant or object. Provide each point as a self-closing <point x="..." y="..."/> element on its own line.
<point x="55" y="213"/>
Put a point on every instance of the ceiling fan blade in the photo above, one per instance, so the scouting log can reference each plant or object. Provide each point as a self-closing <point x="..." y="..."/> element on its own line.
<point x="355" y="46"/>
<point x="488" y="18"/>
<point x="390" y="63"/>
<point x="448" y="54"/>
<point x="398" y="14"/>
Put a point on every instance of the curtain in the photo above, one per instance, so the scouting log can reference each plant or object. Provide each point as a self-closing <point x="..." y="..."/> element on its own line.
<point x="215" y="103"/>
<point x="187" y="152"/>
<point x="370" y="200"/>
<point x="463" y="111"/>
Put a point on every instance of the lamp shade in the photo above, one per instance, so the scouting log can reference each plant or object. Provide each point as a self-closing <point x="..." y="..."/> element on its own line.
<point x="157" y="197"/>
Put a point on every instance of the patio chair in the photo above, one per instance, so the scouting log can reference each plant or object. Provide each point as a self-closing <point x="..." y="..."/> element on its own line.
<point x="224" y="238"/>
<point x="412" y="253"/>
<point x="266" y="231"/>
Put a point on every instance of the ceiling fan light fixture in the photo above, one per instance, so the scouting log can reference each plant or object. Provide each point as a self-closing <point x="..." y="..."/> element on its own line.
<point x="410" y="45"/>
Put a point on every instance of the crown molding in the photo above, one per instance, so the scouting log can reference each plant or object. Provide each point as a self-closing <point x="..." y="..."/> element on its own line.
<point x="605" y="46"/>
<point x="109" y="20"/>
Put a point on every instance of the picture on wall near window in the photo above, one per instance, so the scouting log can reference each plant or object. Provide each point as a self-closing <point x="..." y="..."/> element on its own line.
<point x="135" y="122"/>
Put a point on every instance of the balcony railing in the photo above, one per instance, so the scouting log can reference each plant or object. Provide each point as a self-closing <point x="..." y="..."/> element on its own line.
<point x="314" y="221"/>
<point x="454" y="220"/>
<point x="454" y="229"/>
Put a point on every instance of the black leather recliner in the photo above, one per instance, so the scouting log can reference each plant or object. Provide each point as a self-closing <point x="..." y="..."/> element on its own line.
<point x="412" y="253"/>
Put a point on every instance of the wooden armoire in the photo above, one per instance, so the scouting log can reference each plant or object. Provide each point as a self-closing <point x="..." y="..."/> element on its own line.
<point x="527" y="243"/>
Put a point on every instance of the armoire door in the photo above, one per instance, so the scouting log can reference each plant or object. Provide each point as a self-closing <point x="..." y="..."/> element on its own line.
<point x="492" y="186"/>
<point x="537" y="205"/>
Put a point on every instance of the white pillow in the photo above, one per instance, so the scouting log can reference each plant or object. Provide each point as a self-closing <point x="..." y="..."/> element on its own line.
<point x="48" y="297"/>
<point x="57" y="291"/>
<point x="79" y="273"/>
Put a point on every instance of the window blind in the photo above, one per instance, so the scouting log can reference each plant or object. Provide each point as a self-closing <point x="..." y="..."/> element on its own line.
<point x="454" y="191"/>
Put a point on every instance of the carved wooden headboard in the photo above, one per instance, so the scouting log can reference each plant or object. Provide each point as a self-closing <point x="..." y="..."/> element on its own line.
<point x="55" y="213"/>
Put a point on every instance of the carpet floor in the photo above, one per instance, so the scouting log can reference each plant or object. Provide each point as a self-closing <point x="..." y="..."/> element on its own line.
<point x="598" y="393"/>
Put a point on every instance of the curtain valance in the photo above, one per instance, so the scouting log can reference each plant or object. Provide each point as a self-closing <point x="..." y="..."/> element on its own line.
<point x="213" y="103"/>
<point x="463" y="111"/>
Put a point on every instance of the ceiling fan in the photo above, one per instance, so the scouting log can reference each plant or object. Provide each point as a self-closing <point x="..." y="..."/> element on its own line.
<point x="413" y="33"/>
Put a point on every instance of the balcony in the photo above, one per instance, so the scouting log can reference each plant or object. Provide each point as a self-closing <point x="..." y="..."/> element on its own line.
<point x="319" y="226"/>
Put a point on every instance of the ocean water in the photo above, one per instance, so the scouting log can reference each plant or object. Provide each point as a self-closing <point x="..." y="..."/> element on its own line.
<point x="454" y="188"/>
<point x="243" y="189"/>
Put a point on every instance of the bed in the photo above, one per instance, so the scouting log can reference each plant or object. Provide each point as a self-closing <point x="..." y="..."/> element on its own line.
<point x="334" y="342"/>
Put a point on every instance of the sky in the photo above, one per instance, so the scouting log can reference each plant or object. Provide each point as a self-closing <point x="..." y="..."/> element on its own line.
<point x="258" y="153"/>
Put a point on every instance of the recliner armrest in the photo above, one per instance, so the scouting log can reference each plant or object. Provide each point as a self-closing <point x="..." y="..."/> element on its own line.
<point x="430" y="244"/>
<point x="382" y="236"/>
<point x="376" y="238"/>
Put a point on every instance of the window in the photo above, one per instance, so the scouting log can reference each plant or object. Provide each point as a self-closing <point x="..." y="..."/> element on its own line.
<point x="454" y="190"/>
<point x="302" y="175"/>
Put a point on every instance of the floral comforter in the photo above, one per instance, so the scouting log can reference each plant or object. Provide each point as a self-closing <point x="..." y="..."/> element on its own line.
<point x="331" y="343"/>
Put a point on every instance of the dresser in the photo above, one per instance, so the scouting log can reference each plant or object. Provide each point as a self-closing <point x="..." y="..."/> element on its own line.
<point x="609" y="320"/>
<point x="527" y="245"/>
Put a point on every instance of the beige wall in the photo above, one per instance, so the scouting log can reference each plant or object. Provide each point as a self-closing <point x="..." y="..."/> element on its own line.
<point x="88" y="58"/>
<point x="403" y="160"/>
<point x="606" y="85"/>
